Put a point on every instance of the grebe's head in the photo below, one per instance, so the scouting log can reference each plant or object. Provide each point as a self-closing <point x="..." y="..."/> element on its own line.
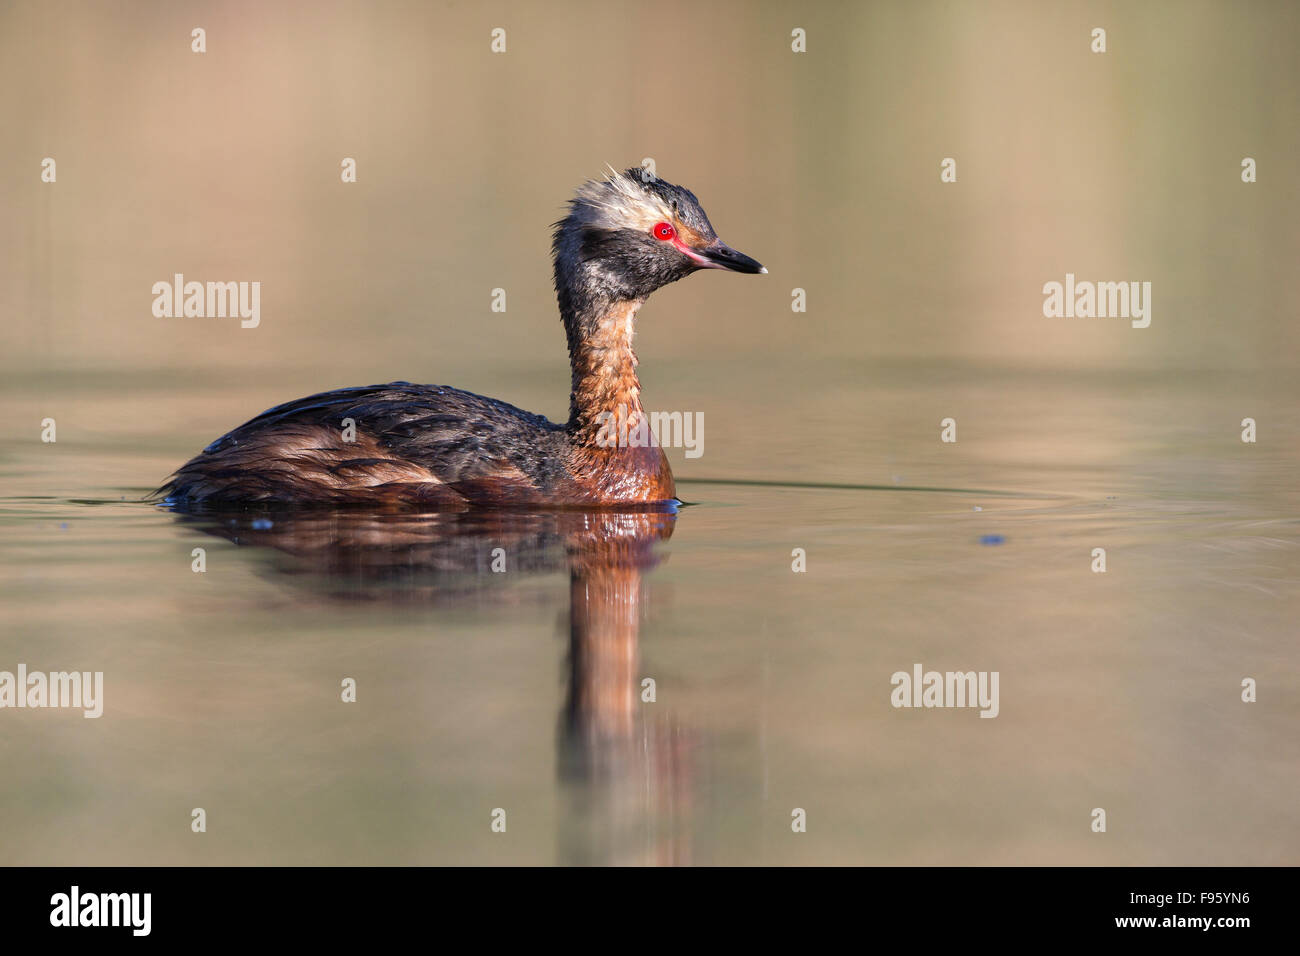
<point x="632" y="233"/>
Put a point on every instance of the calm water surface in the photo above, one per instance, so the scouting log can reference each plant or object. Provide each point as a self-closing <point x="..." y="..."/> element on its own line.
<point x="522" y="690"/>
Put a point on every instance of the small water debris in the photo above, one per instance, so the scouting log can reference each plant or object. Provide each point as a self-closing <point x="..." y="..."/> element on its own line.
<point x="976" y="508"/>
<point x="263" y="524"/>
<point x="991" y="539"/>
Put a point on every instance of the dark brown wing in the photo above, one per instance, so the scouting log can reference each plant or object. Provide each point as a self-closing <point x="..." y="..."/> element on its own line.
<point x="413" y="443"/>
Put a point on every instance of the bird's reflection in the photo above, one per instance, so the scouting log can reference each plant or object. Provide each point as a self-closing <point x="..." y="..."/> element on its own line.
<point x="623" y="764"/>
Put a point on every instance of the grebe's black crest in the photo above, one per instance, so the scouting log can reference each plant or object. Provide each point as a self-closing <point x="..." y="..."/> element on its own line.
<point x="605" y="249"/>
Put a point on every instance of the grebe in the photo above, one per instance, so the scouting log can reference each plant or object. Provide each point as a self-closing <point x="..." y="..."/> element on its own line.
<point x="429" y="445"/>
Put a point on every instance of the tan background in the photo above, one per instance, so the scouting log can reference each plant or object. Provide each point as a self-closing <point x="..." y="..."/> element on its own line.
<point x="1119" y="690"/>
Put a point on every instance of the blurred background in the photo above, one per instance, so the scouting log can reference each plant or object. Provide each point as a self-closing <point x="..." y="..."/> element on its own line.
<point x="924" y="301"/>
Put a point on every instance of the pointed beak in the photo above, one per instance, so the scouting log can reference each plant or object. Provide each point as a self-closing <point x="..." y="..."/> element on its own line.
<point x="718" y="255"/>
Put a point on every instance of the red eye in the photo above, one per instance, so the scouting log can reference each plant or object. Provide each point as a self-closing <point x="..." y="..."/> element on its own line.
<point x="664" y="231"/>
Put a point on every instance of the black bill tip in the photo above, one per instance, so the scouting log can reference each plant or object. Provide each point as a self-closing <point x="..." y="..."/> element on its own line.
<point x="722" y="256"/>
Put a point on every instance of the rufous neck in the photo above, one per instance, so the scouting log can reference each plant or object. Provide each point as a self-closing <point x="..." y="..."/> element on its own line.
<point x="604" y="370"/>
